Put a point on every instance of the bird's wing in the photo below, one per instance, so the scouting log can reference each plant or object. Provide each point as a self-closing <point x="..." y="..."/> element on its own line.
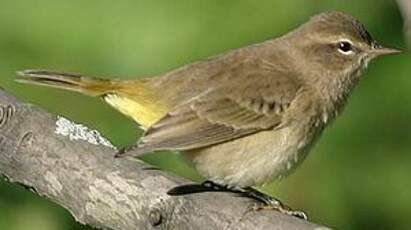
<point x="251" y="103"/>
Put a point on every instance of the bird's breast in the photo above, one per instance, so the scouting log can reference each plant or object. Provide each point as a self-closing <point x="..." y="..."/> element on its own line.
<point x="259" y="158"/>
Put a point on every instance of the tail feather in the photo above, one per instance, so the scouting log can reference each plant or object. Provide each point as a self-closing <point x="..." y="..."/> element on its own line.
<point x="134" y="98"/>
<point x="86" y="85"/>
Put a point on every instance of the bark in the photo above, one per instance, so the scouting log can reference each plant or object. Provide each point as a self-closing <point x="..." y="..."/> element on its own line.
<point x="75" y="168"/>
<point x="405" y="8"/>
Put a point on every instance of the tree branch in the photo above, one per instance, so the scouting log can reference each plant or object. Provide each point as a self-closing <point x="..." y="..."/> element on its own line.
<point x="112" y="193"/>
<point x="405" y="8"/>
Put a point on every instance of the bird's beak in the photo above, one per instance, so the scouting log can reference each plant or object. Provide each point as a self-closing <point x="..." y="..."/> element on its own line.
<point x="379" y="50"/>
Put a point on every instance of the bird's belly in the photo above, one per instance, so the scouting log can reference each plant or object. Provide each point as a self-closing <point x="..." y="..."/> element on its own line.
<point x="256" y="159"/>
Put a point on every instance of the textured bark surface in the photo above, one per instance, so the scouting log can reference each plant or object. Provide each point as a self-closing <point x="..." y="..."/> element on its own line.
<point x="405" y="8"/>
<point x="113" y="193"/>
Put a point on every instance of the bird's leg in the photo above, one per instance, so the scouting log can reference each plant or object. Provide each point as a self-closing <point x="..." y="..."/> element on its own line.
<point x="270" y="203"/>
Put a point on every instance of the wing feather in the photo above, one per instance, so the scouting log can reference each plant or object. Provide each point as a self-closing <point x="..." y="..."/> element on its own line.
<point x="223" y="114"/>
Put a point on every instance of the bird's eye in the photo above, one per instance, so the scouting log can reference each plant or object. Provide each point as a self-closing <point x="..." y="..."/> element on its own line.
<point x="345" y="47"/>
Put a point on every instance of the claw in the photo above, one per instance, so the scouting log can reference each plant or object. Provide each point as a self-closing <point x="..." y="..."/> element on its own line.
<point x="271" y="203"/>
<point x="120" y="152"/>
<point x="280" y="208"/>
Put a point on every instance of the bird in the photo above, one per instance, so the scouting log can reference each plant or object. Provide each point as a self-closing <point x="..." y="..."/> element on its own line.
<point x="246" y="117"/>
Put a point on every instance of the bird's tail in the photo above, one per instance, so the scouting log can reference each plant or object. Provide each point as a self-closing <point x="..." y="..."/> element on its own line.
<point x="135" y="98"/>
<point x="87" y="85"/>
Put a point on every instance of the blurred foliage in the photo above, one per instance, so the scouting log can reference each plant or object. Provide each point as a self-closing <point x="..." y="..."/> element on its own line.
<point x="357" y="176"/>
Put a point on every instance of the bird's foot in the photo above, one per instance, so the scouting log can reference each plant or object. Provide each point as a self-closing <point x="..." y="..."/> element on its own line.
<point x="280" y="208"/>
<point x="271" y="203"/>
<point x="266" y="202"/>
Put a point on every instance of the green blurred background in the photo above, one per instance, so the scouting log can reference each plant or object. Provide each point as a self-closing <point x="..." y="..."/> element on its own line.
<point x="357" y="176"/>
